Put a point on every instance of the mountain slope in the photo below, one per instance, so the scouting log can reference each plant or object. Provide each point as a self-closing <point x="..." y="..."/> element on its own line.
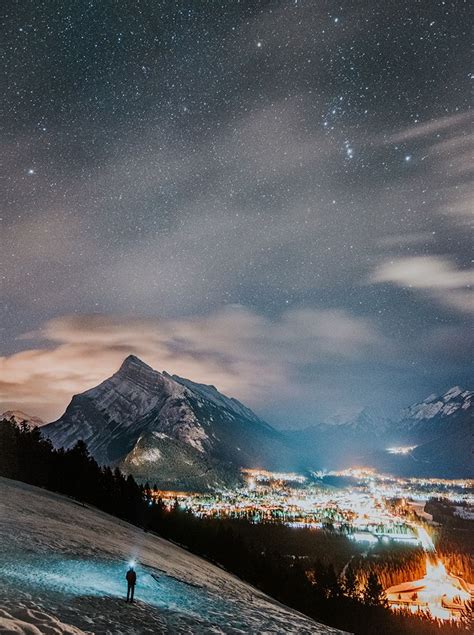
<point x="338" y="445"/>
<point x="55" y="580"/>
<point x="157" y="457"/>
<point x="435" y="416"/>
<point x="167" y="429"/>
<point x="442" y="430"/>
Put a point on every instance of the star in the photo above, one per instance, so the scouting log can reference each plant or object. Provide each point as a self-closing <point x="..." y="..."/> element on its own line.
<point x="184" y="128"/>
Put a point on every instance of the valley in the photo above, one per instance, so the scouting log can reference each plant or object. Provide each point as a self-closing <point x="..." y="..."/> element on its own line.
<point x="181" y="459"/>
<point x="371" y="509"/>
<point x="189" y="436"/>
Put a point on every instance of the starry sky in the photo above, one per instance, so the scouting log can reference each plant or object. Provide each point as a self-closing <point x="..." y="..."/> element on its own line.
<point x="273" y="197"/>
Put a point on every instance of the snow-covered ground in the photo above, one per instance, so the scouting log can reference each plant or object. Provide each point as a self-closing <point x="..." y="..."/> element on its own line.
<point x="62" y="570"/>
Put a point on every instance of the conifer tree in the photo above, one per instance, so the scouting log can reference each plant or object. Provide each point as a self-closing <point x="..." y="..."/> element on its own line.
<point x="350" y="582"/>
<point x="373" y="593"/>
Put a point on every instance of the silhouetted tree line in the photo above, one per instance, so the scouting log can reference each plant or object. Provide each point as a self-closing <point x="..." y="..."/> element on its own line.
<point x="329" y="547"/>
<point x="312" y="588"/>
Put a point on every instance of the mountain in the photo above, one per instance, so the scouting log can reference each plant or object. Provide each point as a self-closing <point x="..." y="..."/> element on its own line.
<point x="440" y="430"/>
<point x="436" y="415"/>
<point x="20" y="418"/>
<point x="434" y="437"/>
<point x="340" y="444"/>
<point x="167" y="429"/>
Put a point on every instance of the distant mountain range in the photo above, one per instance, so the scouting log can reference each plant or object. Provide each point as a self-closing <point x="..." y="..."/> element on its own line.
<point x="168" y="429"/>
<point x="442" y="429"/>
<point x="184" y="435"/>
<point x="432" y="438"/>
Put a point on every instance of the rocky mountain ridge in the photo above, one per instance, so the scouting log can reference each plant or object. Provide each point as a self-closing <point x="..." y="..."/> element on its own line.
<point x="167" y="429"/>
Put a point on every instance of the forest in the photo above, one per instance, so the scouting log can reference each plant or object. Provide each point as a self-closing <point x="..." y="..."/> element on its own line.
<point x="454" y="538"/>
<point x="323" y="577"/>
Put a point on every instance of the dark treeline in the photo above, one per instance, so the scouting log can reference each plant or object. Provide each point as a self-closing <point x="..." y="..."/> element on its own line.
<point x="456" y="553"/>
<point x="312" y="587"/>
<point x="329" y="547"/>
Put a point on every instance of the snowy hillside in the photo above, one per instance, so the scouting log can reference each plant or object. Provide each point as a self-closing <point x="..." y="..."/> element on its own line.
<point x="72" y="581"/>
<point x="161" y="427"/>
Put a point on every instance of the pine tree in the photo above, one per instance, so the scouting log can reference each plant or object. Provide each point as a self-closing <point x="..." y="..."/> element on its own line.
<point x="373" y="593"/>
<point x="350" y="582"/>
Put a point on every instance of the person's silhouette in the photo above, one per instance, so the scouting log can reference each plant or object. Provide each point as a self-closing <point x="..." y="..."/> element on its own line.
<point x="131" y="578"/>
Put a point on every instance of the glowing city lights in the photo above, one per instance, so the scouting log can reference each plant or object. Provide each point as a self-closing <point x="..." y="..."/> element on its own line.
<point x="368" y="507"/>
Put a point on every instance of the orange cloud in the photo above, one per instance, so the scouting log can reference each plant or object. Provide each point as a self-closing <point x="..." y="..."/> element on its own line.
<point x="244" y="354"/>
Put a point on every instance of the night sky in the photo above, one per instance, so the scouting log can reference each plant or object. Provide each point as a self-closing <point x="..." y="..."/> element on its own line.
<point x="273" y="197"/>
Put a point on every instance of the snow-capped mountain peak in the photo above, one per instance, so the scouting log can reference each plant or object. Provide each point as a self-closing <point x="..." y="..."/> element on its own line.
<point x="132" y="361"/>
<point x="140" y="417"/>
<point x="135" y="371"/>
<point x="444" y="405"/>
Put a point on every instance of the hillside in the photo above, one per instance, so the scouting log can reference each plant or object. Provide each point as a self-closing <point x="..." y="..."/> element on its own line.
<point x="73" y="581"/>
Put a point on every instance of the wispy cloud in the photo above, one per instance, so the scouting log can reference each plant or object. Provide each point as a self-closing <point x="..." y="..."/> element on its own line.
<point x="241" y="352"/>
<point x="429" y="128"/>
<point x="434" y="275"/>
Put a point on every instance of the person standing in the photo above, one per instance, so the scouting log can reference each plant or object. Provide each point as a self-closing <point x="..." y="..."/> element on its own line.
<point x="131" y="578"/>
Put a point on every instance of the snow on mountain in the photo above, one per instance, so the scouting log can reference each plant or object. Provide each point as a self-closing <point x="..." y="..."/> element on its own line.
<point x="444" y="405"/>
<point x="55" y="580"/>
<point x="112" y="416"/>
<point x="196" y="425"/>
<point x="210" y="393"/>
<point x="19" y="418"/>
<point x="439" y="432"/>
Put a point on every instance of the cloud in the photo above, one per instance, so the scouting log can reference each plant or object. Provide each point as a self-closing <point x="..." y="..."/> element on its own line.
<point x="241" y="203"/>
<point x="444" y="148"/>
<point x="241" y="352"/>
<point x="433" y="275"/>
<point x="403" y="240"/>
<point x="428" y="129"/>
